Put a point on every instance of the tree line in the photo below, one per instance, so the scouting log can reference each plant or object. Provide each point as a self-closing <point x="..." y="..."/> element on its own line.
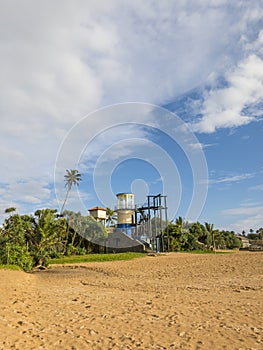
<point x="32" y="240"/>
<point x="196" y="236"/>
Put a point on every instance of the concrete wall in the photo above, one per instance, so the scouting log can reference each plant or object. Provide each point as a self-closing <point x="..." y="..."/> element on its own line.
<point x="121" y="242"/>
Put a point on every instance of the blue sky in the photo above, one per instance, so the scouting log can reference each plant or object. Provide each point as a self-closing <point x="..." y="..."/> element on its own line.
<point x="93" y="85"/>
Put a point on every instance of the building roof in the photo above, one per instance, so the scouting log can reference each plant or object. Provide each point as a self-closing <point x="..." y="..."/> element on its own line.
<point x="97" y="208"/>
<point x="243" y="238"/>
<point x="124" y="193"/>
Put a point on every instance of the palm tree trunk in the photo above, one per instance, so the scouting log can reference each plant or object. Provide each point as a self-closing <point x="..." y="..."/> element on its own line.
<point x="65" y="200"/>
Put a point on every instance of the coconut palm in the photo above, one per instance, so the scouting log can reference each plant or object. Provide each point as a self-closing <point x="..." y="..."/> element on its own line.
<point x="72" y="177"/>
<point x="10" y="210"/>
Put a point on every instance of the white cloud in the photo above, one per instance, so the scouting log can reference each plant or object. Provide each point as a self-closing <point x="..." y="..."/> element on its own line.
<point x="113" y="136"/>
<point x="244" y="211"/>
<point x="246" y="218"/>
<point x="250" y="202"/>
<point x="61" y="60"/>
<point x="26" y="195"/>
<point x="198" y="145"/>
<point x="27" y="189"/>
<point x="256" y="188"/>
<point x="79" y="57"/>
<point x="232" y="178"/>
<point x="224" y="108"/>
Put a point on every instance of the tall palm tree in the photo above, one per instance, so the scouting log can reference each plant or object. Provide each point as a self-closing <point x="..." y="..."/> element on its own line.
<point x="10" y="210"/>
<point x="72" y="177"/>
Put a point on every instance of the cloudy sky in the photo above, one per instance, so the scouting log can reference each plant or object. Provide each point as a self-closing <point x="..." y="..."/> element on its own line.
<point x="92" y="85"/>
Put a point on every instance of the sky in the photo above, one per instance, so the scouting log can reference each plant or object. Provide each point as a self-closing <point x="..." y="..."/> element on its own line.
<point x="146" y="97"/>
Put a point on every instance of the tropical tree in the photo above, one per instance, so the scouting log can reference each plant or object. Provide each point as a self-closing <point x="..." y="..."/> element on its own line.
<point x="48" y="233"/>
<point x="229" y="240"/>
<point x="84" y="233"/>
<point x="111" y="217"/>
<point x="179" y="222"/>
<point x="93" y="230"/>
<point x="13" y="241"/>
<point x="211" y="231"/>
<point x="260" y="233"/>
<point x="74" y="226"/>
<point x="182" y="237"/>
<point x="202" y="236"/>
<point x="10" y="210"/>
<point x="72" y="177"/>
<point x="253" y="236"/>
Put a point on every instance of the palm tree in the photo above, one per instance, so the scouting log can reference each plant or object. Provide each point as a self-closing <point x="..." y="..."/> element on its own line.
<point x="111" y="216"/>
<point x="210" y="229"/>
<point x="10" y="210"/>
<point x="47" y="232"/>
<point x="72" y="177"/>
<point x="179" y="222"/>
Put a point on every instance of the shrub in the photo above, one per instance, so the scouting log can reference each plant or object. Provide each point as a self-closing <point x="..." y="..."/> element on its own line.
<point x="14" y="254"/>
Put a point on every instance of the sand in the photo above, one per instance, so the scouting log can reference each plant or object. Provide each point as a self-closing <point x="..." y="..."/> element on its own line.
<point x="176" y="301"/>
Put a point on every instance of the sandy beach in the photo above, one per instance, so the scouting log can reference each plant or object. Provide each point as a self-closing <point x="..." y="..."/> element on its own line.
<point x="176" y="301"/>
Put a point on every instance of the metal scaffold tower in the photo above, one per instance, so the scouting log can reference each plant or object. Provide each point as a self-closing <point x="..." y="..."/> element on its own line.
<point x="151" y="223"/>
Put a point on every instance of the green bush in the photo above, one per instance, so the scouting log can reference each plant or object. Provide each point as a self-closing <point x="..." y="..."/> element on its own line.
<point x="71" y="250"/>
<point x="13" y="254"/>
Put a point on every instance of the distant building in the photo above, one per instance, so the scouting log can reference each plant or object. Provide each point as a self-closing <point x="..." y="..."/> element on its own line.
<point x="245" y="241"/>
<point x="99" y="214"/>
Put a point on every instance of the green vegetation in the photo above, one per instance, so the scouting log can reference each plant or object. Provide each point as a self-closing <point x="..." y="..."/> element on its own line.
<point x="32" y="240"/>
<point x="111" y="217"/>
<point x="258" y="235"/>
<point x="207" y="252"/>
<point x="9" y="267"/>
<point x="185" y="236"/>
<point x="28" y="241"/>
<point x="96" y="258"/>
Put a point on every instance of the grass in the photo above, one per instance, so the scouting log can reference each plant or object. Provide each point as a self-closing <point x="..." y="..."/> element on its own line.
<point x="207" y="251"/>
<point x="95" y="258"/>
<point x="9" y="267"/>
